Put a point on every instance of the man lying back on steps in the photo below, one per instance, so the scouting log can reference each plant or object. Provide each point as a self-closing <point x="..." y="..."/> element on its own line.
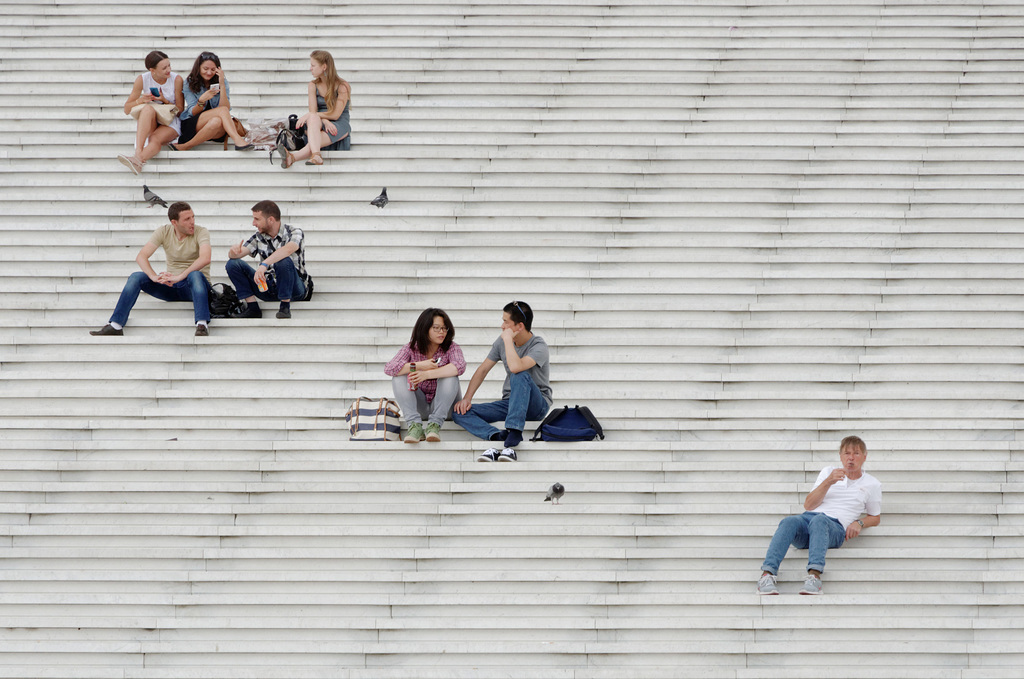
<point x="840" y="496"/>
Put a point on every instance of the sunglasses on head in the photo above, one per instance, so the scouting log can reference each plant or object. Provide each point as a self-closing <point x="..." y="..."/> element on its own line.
<point x="520" y="309"/>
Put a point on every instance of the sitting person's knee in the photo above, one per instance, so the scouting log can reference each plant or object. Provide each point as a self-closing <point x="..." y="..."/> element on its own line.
<point x="521" y="378"/>
<point x="820" y="520"/>
<point x="285" y="264"/>
<point x="790" y="520"/>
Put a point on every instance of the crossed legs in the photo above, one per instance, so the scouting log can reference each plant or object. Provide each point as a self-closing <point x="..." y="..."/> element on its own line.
<point x="213" y="124"/>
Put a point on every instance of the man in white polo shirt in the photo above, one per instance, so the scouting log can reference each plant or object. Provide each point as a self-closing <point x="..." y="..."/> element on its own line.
<point x="840" y="497"/>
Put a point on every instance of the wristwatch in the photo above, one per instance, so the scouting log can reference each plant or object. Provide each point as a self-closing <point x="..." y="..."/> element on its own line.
<point x="860" y="522"/>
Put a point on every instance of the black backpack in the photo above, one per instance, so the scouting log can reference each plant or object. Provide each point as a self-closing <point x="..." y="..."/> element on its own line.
<point x="223" y="300"/>
<point x="569" y="424"/>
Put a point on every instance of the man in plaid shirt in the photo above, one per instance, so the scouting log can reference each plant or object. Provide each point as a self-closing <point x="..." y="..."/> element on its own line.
<point x="280" y="275"/>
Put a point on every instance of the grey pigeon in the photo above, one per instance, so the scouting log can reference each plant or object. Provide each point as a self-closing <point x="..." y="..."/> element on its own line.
<point x="152" y="198"/>
<point x="554" y="492"/>
<point x="382" y="199"/>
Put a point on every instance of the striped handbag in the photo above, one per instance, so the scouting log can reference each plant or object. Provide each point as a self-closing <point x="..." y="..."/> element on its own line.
<point x="374" y="419"/>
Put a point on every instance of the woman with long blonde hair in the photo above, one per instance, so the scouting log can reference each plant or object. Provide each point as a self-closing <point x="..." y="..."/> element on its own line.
<point x="327" y="122"/>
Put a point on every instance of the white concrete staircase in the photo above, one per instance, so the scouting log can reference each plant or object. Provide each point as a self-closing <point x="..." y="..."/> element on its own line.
<point x="751" y="228"/>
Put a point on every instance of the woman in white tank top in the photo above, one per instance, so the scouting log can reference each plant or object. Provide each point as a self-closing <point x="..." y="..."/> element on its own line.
<point x="160" y="85"/>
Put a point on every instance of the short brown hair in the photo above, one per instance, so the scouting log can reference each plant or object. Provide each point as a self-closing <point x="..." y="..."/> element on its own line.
<point x="175" y="210"/>
<point x="267" y="208"/>
<point x="853" y="441"/>
<point x="154" y="58"/>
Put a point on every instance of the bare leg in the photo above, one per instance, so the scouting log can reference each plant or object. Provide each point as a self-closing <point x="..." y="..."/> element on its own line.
<point x="313" y="125"/>
<point x="315" y="138"/>
<point x="147" y="124"/>
<point x="162" y="135"/>
<point x="207" y="129"/>
<point x="229" y="126"/>
<point x="317" y="141"/>
<point x="302" y="153"/>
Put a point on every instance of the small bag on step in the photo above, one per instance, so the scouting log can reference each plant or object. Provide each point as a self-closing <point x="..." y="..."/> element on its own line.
<point x="374" y="419"/>
<point x="569" y="424"/>
<point x="223" y="300"/>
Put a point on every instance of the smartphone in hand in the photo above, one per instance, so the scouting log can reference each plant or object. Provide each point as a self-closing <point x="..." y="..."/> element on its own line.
<point x="155" y="91"/>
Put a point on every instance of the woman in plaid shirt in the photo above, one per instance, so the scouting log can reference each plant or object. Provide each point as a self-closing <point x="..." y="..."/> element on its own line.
<point x="425" y="375"/>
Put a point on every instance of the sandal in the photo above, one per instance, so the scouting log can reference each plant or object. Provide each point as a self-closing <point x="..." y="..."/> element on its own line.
<point x="132" y="162"/>
<point x="172" y="146"/>
<point x="315" y="159"/>
<point x="243" y="147"/>
<point x="286" y="157"/>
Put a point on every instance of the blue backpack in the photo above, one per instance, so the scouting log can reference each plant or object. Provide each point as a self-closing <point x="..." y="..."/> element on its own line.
<point x="569" y="424"/>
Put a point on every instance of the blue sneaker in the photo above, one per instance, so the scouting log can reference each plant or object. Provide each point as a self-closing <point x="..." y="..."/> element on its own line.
<point x="766" y="585"/>
<point x="507" y="455"/>
<point x="812" y="585"/>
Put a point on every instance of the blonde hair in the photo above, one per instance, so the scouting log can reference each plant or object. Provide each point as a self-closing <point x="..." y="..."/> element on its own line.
<point x="855" y="441"/>
<point x="330" y="78"/>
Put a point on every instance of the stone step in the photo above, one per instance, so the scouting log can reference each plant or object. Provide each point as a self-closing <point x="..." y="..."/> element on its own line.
<point x="755" y="230"/>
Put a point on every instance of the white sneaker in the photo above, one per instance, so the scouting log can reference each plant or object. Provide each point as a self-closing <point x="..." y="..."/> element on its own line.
<point x="766" y="585"/>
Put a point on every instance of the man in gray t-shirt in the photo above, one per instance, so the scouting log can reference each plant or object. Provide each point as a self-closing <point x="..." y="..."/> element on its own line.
<point x="526" y="394"/>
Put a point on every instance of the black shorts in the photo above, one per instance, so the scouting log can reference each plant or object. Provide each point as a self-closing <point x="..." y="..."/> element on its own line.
<point x="188" y="130"/>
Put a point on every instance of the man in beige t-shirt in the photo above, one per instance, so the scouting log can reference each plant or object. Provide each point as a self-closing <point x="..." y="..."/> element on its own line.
<point x="187" y="278"/>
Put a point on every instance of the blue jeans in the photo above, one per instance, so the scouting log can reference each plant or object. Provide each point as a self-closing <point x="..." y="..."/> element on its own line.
<point x="414" y="404"/>
<point x="813" y="531"/>
<point x="286" y="283"/>
<point x="524" y="402"/>
<point x="194" y="288"/>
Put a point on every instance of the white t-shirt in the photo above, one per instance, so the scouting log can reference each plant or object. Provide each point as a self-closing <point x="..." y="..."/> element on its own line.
<point x="846" y="500"/>
<point x="167" y="89"/>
